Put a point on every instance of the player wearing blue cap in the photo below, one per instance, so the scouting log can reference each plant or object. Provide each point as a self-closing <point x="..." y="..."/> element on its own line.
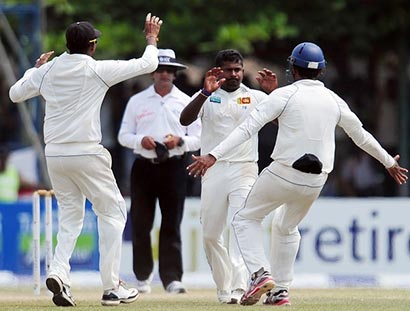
<point x="303" y="156"/>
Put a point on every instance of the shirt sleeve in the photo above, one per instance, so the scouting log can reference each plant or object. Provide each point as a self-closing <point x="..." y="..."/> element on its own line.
<point x="362" y="138"/>
<point x="115" y="71"/>
<point x="266" y="111"/>
<point x="127" y="135"/>
<point x="27" y="87"/>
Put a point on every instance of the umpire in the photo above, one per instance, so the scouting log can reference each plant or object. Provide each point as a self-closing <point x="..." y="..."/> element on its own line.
<point x="151" y="128"/>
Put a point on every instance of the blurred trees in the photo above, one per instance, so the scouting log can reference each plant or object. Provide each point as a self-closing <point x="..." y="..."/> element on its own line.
<point x="367" y="29"/>
<point x="365" y="41"/>
<point x="193" y="27"/>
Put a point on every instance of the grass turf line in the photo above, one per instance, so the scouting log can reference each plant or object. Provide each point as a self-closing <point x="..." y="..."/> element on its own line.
<point x="341" y="299"/>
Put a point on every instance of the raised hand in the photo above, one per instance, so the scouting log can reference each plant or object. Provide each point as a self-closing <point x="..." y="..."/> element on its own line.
<point x="267" y="80"/>
<point x="152" y="27"/>
<point x="211" y="82"/>
<point x="43" y="59"/>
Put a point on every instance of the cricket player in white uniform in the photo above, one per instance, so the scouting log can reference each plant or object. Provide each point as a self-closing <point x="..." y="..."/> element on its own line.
<point x="73" y="86"/>
<point x="226" y="185"/>
<point x="303" y="156"/>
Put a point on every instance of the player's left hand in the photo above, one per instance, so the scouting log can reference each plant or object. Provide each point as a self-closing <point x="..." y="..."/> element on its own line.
<point x="267" y="80"/>
<point x="397" y="172"/>
<point x="200" y="165"/>
<point x="171" y="141"/>
<point x="43" y="59"/>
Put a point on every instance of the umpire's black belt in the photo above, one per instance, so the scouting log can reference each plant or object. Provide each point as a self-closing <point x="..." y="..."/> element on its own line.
<point x="159" y="161"/>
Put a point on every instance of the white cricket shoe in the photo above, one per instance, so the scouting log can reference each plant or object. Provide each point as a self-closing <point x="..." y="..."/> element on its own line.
<point x="224" y="296"/>
<point x="176" y="287"/>
<point x="144" y="286"/>
<point x="121" y="294"/>
<point x="61" y="292"/>
<point x="236" y="296"/>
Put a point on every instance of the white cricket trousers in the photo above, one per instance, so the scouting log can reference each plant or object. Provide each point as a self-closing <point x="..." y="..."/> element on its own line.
<point x="225" y="187"/>
<point x="75" y="178"/>
<point x="290" y="194"/>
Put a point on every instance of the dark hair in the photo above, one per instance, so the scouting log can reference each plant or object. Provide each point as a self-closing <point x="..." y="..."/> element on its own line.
<point x="308" y="73"/>
<point x="228" y="55"/>
<point x="78" y="36"/>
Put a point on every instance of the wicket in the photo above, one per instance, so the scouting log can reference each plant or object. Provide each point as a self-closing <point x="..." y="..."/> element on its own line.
<point x="48" y="198"/>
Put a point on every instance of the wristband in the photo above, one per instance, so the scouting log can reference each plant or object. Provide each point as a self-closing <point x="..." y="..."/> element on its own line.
<point x="205" y="92"/>
<point x="156" y="38"/>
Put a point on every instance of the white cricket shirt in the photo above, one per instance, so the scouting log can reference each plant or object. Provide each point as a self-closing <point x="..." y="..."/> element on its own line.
<point x="221" y="113"/>
<point x="149" y="114"/>
<point x="307" y="114"/>
<point x="74" y="86"/>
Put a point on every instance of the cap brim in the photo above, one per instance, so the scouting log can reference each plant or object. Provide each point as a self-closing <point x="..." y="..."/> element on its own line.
<point x="177" y="65"/>
<point x="97" y="33"/>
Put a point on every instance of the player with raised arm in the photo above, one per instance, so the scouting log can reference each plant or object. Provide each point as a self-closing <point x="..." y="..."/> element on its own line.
<point x="303" y="156"/>
<point x="223" y="104"/>
<point x="73" y="86"/>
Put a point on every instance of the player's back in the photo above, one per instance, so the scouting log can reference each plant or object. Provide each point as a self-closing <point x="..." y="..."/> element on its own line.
<point x="307" y="124"/>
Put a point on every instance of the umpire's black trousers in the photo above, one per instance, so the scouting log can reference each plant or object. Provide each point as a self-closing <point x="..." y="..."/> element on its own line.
<point x="166" y="182"/>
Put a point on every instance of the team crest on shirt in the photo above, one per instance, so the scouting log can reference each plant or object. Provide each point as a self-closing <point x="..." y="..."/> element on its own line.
<point x="244" y="100"/>
<point x="215" y="99"/>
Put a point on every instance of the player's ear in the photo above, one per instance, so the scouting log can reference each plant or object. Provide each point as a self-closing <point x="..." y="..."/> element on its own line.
<point x="91" y="49"/>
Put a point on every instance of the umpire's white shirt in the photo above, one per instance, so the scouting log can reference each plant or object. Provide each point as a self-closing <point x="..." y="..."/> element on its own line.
<point x="221" y="113"/>
<point x="74" y="86"/>
<point x="307" y="113"/>
<point x="149" y="114"/>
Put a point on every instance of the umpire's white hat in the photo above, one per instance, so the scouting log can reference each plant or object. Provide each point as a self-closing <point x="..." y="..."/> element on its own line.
<point x="166" y="57"/>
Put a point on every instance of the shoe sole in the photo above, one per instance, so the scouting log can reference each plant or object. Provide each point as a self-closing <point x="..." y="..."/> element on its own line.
<point x="255" y="295"/>
<point x="178" y="291"/>
<point x="54" y="285"/>
<point x="283" y="302"/>
<point x="60" y="298"/>
<point x="117" y="302"/>
<point x="144" y="290"/>
<point x="233" y="301"/>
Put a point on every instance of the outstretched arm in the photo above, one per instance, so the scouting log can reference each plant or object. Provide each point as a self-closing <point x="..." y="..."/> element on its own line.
<point x="28" y="87"/>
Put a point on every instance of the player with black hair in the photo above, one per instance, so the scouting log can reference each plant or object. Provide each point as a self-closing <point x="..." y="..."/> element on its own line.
<point x="303" y="156"/>
<point x="225" y="187"/>
<point x="73" y="86"/>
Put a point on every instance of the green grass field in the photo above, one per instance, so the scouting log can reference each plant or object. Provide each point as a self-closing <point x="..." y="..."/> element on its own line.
<point x="302" y="300"/>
